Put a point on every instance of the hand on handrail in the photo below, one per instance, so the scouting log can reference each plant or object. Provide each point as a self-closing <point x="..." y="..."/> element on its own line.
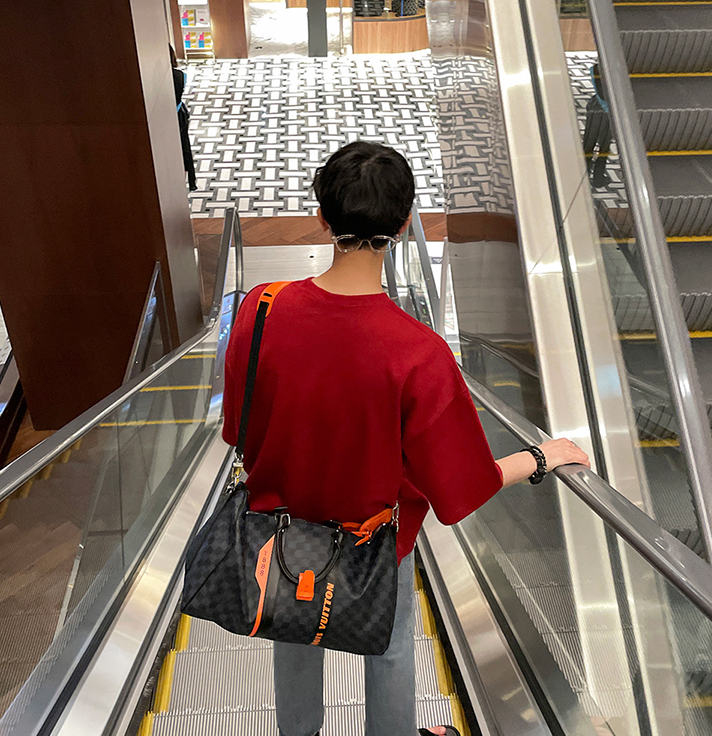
<point x="522" y="465"/>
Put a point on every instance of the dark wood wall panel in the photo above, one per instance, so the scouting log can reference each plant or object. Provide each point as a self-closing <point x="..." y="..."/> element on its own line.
<point x="81" y="211"/>
<point x="228" y="19"/>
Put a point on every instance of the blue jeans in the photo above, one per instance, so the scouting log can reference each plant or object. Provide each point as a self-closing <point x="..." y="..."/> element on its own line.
<point x="390" y="677"/>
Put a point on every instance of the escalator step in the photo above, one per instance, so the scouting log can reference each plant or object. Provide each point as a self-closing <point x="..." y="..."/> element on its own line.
<point x="675" y="113"/>
<point x="666" y="39"/>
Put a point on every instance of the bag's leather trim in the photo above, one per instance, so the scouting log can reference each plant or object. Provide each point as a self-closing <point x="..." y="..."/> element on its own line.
<point x="270" y="294"/>
<point x="264" y="561"/>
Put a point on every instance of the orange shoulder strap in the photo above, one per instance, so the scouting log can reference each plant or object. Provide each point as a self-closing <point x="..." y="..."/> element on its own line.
<point x="270" y="294"/>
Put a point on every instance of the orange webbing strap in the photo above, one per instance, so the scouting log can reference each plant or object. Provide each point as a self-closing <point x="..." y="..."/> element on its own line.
<point x="270" y="294"/>
<point x="366" y="530"/>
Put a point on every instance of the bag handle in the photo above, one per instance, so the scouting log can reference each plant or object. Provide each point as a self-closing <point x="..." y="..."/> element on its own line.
<point x="283" y="523"/>
<point x="264" y="307"/>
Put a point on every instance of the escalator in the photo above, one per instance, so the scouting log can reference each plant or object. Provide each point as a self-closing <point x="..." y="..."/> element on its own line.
<point x="510" y="638"/>
<point x="667" y="50"/>
<point x="566" y="608"/>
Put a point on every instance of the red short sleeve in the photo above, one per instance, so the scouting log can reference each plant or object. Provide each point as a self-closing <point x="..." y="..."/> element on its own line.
<point x="446" y="454"/>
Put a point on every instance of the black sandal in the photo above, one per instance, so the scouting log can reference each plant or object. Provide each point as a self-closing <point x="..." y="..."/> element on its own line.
<point x="449" y="731"/>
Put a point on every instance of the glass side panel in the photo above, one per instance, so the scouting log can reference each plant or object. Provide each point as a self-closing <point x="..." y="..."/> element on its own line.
<point x="614" y="648"/>
<point x="655" y="416"/>
<point x="71" y="536"/>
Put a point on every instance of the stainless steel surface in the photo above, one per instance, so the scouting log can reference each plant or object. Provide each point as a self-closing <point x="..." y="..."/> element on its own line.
<point x="432" y="289"/>
<point x="580" y="244"/>
<point x="678" y="564"/>
<point x="9" y="377"/>
<point x="265" y="264"/>
<point x="27" y="465"/>
<point x="613" y="416"/>
<point x="153" y="315"/>
<point x="91" y="707"/>
<point x="499" y="693"/>
<point x="389" y="270"/>
<point x="671" y="328"/>
<point x="563" y="378"/>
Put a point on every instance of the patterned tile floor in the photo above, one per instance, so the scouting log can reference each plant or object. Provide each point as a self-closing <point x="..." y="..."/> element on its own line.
<point x="260" y="127"/>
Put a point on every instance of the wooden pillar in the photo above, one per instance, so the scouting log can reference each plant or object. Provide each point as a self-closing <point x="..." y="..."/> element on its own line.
<point x="93" y="193"/>
<point x="175" y="14"/>
<point x="230" y="27"/>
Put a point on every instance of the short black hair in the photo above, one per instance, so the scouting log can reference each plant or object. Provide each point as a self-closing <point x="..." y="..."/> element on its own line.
<point x="365" y="189"/>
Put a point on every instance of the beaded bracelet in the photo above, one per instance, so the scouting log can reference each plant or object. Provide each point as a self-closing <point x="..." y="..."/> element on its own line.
<point x="538" y="475"/>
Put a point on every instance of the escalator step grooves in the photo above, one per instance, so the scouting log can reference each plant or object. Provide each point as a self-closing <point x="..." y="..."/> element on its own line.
<point x="215" y="682"/>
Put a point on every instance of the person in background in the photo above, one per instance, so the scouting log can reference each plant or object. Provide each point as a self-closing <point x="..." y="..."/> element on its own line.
<point x="597" y="135"/>
<point x="179" y="86"/>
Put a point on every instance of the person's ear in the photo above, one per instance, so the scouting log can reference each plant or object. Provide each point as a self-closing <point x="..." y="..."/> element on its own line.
<point x="324" y="224"/>
<point x="406" y="224"/>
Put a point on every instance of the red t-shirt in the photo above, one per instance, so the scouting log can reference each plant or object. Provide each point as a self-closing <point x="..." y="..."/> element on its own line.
<point x="356" y="406"/>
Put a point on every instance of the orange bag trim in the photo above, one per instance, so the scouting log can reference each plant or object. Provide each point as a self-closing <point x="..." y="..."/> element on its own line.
<point x="367" y="529"/>
<point x="264" y="559"/>
<point x="305" y="588"/>
<point x="270" y="294"/>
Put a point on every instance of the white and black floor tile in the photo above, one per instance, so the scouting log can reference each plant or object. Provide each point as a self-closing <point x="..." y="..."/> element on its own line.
<point x="260" y="127"/>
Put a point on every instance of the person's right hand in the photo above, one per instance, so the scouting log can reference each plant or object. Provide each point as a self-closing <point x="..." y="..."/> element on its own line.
<point x="563" y="452"/>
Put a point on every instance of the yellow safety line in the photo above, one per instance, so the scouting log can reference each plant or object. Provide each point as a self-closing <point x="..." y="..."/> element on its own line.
<point x="660" y="443"/>
<point x="658" y="153"/>
<point x="656" y="75"/>
<point x="183" y="633"/>
<point x="153" y="421"/>
<point x="427" y="615"/>
<point x="671" y="239"/>
<point x="694" y="335"/>
<point x="146" y="727"/>
<point x="165" y="682"/>
<point x="512" y="384"/>
<point x="446" y="683"/>
<point x="661" y="2"/>
<point x="418" y="580"/>
<point x="200" y="356"/>
<point x="698" y="701"/>
<point x="680" y="153"/>
<point x="441" y="668"/>
<point x="173" y="388"/>
<point x="458" y="716"/>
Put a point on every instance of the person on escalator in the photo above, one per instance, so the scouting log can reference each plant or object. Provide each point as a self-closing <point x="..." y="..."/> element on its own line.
<point x="354" y="394"/>
<point x="597" y="133"/>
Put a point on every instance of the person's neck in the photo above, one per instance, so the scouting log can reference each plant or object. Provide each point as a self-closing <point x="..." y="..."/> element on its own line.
<point x="353" y="274"/>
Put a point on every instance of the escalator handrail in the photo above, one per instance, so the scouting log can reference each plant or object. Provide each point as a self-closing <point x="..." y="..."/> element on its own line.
<point x="669" y="319"/>
<point x="31" y="462"/>
<point x="418" y="231"/>
<point x="678" y="564"/>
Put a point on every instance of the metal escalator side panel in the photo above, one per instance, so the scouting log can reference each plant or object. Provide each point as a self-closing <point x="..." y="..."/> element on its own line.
<point x="573" y="409"/>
